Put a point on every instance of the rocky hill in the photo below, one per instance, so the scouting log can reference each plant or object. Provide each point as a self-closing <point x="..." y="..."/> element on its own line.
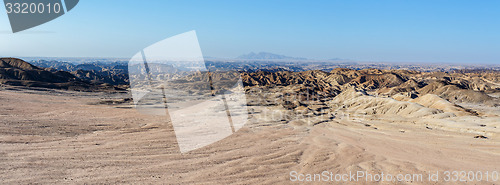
<point x="114" y="73"/>
<point x="17" y="72"/>
<point x="397" y="96"/>
<point x="454" y="87"/>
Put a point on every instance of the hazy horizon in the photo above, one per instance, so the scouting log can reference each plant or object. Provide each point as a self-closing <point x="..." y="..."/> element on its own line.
<point x="212" y="58"/>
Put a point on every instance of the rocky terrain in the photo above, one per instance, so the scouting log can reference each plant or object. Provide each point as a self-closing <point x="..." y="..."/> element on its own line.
<point x="342" y="120"/>
<point x="454" y="87"/>
<point x="17" y="72"/>
<point x="114" y="73"/>
<point x="315" y="97"/>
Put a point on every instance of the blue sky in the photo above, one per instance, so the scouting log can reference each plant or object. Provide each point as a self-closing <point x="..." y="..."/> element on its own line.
<point x="450" y="31"/>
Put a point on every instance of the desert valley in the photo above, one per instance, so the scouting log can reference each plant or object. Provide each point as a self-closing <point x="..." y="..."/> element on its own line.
<point x="65" y="123"/>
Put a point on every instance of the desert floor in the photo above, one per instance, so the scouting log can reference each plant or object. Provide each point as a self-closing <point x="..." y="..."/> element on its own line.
<point x="54" y="137"/>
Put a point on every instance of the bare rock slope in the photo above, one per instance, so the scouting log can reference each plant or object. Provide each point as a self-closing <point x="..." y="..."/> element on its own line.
<point x="17" y="72"/>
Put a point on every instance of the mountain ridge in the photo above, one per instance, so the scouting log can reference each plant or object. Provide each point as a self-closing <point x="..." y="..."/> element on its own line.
<point x="267" y="56"/>
<point x="17" y="72"/>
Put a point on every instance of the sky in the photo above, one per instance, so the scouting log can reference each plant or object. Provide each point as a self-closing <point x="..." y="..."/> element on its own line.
<point x="427" y="31"/>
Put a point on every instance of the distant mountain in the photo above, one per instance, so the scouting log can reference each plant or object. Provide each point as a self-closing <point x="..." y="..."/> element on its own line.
<point x="66" y="66"/>
<point x="17" y="72"/>
<point x="340" y="59"/>
<point x="114" y="73"/>
<point x="17" y="69"/>
<point x="57" y="65"/>
<point x="267" y="56"/>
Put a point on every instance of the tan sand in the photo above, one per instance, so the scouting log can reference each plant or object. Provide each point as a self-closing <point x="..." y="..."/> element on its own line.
<point x="55" y="138"/>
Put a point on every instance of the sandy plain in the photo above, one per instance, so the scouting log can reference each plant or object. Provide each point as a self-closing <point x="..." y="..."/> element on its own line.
<point x="65" y="137"/>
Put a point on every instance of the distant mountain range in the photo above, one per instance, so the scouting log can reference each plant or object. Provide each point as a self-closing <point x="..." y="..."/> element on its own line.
<point x="267" y="56"/>
<point x="114" y="73"/>
<point x="466" y="85"/>
<point x="17" y="72"/>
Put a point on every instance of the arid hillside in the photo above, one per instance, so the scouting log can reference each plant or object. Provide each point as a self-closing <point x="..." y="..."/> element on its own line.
<point x="454" y="87"/>
<point x="17" y="72"/>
